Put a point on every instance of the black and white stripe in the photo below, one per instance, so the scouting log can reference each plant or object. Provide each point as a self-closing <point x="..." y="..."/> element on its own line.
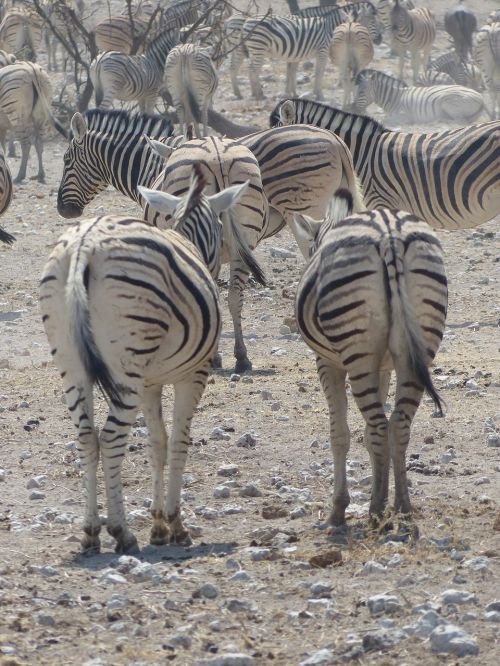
<point x="461" y="71"/>
<point x="5" y="195"/>
<point x="451" y="178"/>
<point x="413" y="104"/>
<point x="132" y="308"/>
<point x="373" y="298"/>
<point x="131" y="77"/>
<point x="412" y="30"/>
<point x="21" y="33"/>
<point x="487" y="58"/>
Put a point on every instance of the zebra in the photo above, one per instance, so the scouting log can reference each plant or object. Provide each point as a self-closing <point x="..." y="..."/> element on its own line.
<point x="487" y="58"/>
<point x="351" y="49"/>
<point x="413" y="103"/>
<point x="460" y="71"/>
<point x="6" y="58"/>
<point x="116" y="75"/>
<point x="21" y="33"/>
<point x="413" y="30"/>
<point x="363" y="12"/>
<point x="450" y="179"/>
<point x="109" y="148"/>
<point x="301" y="166"/>
<point x="373" y="297"/>
<point x="384" y="8"/>
<point x="5" y="195"/>
<point x="432" y="78"/>
<point x="25" y="108"/>
<point x="115" y="274"/>
<point x="291" y="38"/>
<point x="460" y="23"/>
<point x="189" y="71"/>
<point x="222" y="162"/>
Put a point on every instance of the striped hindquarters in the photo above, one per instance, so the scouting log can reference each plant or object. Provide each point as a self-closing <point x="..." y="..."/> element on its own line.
<point x="115" y="34"/>
<point x="119" y="76"/>
<point x="21" y="33"/>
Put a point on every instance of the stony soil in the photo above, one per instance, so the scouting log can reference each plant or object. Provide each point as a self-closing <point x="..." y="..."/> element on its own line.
<point x="252" y="584"/>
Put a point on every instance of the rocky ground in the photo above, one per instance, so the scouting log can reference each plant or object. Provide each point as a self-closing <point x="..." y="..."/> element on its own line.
<point x="263" y="582"/>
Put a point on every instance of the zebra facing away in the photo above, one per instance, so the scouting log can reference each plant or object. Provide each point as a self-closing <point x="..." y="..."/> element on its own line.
<point x="373" y="298"/>
<point x="132" y="308"/>
<point x="414" y="104"/>
<point x="25" y="108"/>
<point x="413" y="30"/>
<point x="116" y="75"/>
<point x="450" y="178"/>
<point x="222" y="162"/>
<point x="189" y="71"/>
<point x="460" y="23"/>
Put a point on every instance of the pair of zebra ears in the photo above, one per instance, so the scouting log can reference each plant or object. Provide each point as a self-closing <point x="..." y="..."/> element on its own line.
<point x="78" y="127"/>
<point x="164" y="202"/>
<point x="160" y="148"/>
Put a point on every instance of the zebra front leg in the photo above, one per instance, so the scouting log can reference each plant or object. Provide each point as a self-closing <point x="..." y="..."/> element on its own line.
<point x="254" y="71"/>
<point x="236" y="60"/>
<point x="237" y="281"/>
<point x="187" y="396"/>
<point x="415" y="64"/>
<point x="291" y="78"/>
<point x="158" y="443"/>
<point x="333" y="384"/>
<point x="369" y="389"/>
<point x="39" y="151"/>
<point x="321" y="59"/>
<point x="113" y="442"/>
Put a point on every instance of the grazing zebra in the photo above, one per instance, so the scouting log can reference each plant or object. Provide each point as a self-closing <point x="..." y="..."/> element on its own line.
<point x="119" y="76"/>
<point x="413" y="30"/>
<point x="109" y="148"/>
<point x="460" y="71"/>
<point x="131" y="308"/>
<point x="451" y="178"/>
<point x="189" y="71"/>
<point x="5" y="195"/>
<point x="222" y="162"/>
<point x="21" y="33"/>
<point x="291" y="38"/>
<point x="372" y="298"/>
<point x="487" y="58"/>
<point x="414" y="104"/>
<point x="25" y="108"/>
<point x="351" y="50"/>
<point x="301" y="166"/>
<point x="460" y="23"/>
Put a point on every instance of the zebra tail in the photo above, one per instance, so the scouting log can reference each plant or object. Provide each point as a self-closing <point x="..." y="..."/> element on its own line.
<point x="239" y="246"/>
<point x="43" y="94"/>
<point x="78" y="306"/>
<point x="405" y="338"/>
<point x="218" y="121"/>
<point x="5" y="237"/>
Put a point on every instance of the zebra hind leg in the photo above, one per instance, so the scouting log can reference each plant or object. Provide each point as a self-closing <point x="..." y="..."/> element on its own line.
<point x="113" y="438"/>
<point x="238" y="279"/>
<point x="25" y="153"/>
<point x="187" y="396"/>
<point x="321" y="59"/>
<point x="332" y="381"/>
<point x="38" y="141"/>
<point x="369" y="396"/>
<point x="158" y="444"/>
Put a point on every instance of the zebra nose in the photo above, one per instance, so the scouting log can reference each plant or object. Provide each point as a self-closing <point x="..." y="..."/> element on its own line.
<point x="67" y="209"/>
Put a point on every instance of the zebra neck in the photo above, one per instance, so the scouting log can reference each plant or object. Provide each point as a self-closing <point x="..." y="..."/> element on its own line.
<point x="159" y="49"/>
<point x="387" y="92"/>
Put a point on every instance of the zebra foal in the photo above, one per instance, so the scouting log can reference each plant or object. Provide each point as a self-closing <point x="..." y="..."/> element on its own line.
<point x="372" y="298"/>
<point x="132" y="308"/>
<point x="351" y="50"/>
<point x="414" y="104"/>
<point x="189" y="71"/>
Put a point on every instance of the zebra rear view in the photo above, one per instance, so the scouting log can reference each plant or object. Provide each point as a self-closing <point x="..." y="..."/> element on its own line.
<point x="373" y="298"/>
<point x="132" y="308"/>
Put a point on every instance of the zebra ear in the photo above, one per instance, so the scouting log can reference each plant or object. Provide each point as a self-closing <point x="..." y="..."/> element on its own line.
<point x="304" y="230"/>
<point x="226" y="198"/>
<point x="160" y="148"/>
<point x="287" y="112"/>
<point x="160" y="201"/>
<point x="78" y="127"/>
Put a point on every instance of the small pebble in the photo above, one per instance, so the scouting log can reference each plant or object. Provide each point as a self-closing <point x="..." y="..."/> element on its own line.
<point x="209" y="591"/>
<point x="247" y="441"/>
<point x="219" y="435"/>
<point x="266" y="395"/>
<point x="320" y="657"/>
<point x="221" y="492"/>
<point x="250" y="490"/>
<point x="384" y="603"/>
<point x="2" y="475"/>
<point x="36" y="495"/>
<point x="493" y="440"/>
<point x="492" y="616"/>
<point x="228" y="470"/>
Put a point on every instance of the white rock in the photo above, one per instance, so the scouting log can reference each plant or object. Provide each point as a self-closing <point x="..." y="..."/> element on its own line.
<point x="384" y="603"/>
<point x="428" y="622"/>
<point x="493" y="440"/>
<point x="37" y="481"/>
<point x="247" y="441"/>
<point x="471" y="384"/>
<point x="126" y="563"/>
<point x="221" y="492"/>
<point x="284" y="330"/>
<point x="36" y="495"/>
<point x="320" y="657"/>
<point x="450" y="639"/>
<point x="457" y="597"/>
<point x="281" y="253"/>
<point x="479" y="563"/>
<point x="373" y="567"/>
<point x="218" y="434"/>
<point x="321" y="589"/>
<point x="228" y="470"/>
<point x="110" y="577"/>
<point x="235" y="377"/>
<point x="493" y="606"/>
<point x="118" y="601"/>
<point x="231" y="509"/>
<point x="492" y="616"/>
<point x="142" y="571"/>
<point x="241" y="576"/>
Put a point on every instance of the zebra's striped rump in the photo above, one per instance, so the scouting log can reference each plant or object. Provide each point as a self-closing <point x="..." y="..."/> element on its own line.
<point x="131" y="308"/>
<point x="374" y="298"/>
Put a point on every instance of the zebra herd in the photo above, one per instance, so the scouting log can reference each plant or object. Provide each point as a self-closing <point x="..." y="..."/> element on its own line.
<point x="132" y="304"/>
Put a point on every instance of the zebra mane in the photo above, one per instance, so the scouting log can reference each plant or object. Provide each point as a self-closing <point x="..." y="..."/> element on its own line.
<point x="323" y="111"/>
<point x="192" y="198"/>
<point x="127" y="123"/>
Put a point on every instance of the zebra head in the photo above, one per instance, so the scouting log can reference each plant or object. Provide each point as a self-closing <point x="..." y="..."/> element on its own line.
<point x="284" y="113"/>
<point x="82" y="177"/>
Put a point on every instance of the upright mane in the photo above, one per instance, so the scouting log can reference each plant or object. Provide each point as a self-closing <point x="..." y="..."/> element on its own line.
<point x="127" y="123"/>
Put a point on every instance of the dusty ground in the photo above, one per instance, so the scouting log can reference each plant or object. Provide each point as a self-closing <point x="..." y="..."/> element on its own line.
<point x="265" y="599"/>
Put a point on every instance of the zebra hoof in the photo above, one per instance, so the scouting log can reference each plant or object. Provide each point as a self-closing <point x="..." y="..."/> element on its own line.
<point x="243" y="365"/>
<point x="90" y="545"/>
<point x="181" y="538"/>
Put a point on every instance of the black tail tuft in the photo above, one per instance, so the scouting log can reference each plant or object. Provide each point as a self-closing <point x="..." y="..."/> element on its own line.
<point x="5" y="237"/>
<point x="344" y="193"/>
